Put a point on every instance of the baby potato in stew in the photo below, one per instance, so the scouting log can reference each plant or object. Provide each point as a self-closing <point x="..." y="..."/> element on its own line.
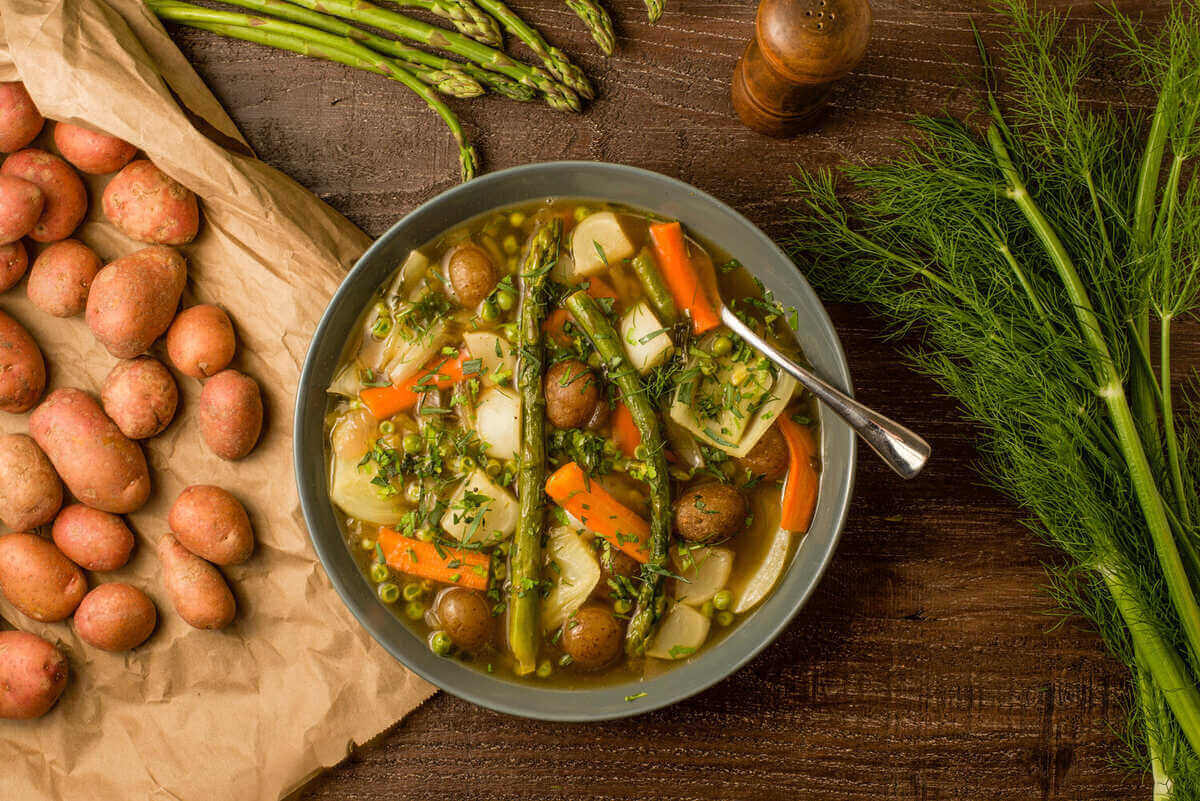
<point x="550" y="457"/>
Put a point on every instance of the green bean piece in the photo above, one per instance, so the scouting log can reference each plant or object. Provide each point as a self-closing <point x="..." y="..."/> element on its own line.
<point x="526" y="555"/>
<point x="646" y="267"/>
<point x="651" y="601"/>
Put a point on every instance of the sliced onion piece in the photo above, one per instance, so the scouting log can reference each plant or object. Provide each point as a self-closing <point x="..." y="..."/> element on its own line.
<point x="574" y="575"/>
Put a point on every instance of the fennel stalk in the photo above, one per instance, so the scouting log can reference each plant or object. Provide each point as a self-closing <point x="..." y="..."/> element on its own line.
<point x="1035" y="257"/>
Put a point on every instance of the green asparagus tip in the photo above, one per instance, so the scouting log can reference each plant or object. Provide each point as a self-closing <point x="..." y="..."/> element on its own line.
<point x="468" y="160"/>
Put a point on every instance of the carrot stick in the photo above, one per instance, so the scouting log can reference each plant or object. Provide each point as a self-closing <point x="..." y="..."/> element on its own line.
<point x="441" y="372"/>
<point x="416" y="558"/>
<point x="680" y="275"/>
<point x="624" y="431"/>
<point x="800" y="486"/>
<point x="554" y="324"/>
<point x="599" y="511"/>
<point x="599" y="288"/>
<point x="556" y="320"/>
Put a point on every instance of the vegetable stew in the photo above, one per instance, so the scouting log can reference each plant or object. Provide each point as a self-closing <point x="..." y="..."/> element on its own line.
<point x="551" y="458"/>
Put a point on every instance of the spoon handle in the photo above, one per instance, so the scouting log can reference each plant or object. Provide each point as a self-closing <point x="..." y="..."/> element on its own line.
<point x="903" y="450"/>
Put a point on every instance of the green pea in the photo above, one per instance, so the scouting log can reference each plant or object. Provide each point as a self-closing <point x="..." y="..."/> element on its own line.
<point x="720" y="346"/>
<point x="440" y="643"/>
<point x="380" y="572"/>
<point x="722" y="600"/>
<point x="580" y="213"/>
<point x="512" y="265"/>
<point x="510" y="244"/>
<point x="725" y="618"/>
<point x="425" y="535"/>
<point x="411" y="592"/>
<point x="516" y="219"/>
<point x="706" y="609"/>
<point x="387" y="427"/>
<point x="505" y="300"/>
<point x="489" y="312"/>
<point x="367" y="544"/>
<point x="414" y="610"/>
<point x="544" y="669"/>
<point x="622" y="606"/>
<point x="389" y="593"/>
<point x="411" y="443"/>
<point x="493" y="467"/>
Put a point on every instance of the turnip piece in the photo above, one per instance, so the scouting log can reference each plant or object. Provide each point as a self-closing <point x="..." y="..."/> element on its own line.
<point x="498" y="422"/>
<point x="647" y="343"/>
<point x="481" y="511"/>
<point x="495" y="354"/>
<point x="704" y="572"/>
<point x="597" y="242"/>
<point x="680" y="634"/>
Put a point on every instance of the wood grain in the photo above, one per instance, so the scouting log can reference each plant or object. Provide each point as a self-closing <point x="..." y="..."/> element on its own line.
<point x="928" y="664"/>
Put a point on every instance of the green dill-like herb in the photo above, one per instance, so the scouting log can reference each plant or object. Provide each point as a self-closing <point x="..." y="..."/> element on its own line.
<point x="1035" y="259"/>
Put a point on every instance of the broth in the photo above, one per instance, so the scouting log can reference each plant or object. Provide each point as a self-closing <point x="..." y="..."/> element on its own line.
<point x="425" y="440"/>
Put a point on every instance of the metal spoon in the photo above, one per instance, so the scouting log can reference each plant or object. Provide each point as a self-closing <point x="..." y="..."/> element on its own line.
<point x="903" y="450"/>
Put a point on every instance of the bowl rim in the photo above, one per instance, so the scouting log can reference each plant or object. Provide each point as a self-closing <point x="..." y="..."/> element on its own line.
<point x="693" y="677"/>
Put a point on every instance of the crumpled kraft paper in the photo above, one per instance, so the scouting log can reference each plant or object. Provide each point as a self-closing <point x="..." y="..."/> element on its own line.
<point x="253" y="711"/>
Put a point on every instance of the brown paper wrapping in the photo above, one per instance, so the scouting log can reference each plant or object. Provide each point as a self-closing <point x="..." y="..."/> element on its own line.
<point x="253" y="711"/>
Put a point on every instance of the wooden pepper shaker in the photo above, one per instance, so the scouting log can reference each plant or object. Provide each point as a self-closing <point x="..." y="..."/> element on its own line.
<point x="800" y="47"/>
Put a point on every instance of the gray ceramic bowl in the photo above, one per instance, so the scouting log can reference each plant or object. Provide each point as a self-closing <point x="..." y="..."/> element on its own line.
<point x="642" y="189"/>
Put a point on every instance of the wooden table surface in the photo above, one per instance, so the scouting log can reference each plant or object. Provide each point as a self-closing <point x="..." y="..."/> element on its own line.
<point x="928" y="664"/>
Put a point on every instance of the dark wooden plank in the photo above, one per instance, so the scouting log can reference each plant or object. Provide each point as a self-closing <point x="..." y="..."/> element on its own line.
<point x="928" y="664"/>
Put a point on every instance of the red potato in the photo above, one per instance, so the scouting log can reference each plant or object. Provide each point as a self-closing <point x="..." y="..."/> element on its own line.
<point x="212" y="524"/>
<point x="231" y="414"/>
<point x="115" y="617"/>
<point x="65" y="196"/>
<point x="92" y="539"/>
<point x="21" y="204"/>
<point x="133" y="299"/>
<point x="14" y="260"/>
<point x="61" y="277"/>
<point x="140" y="396"/>
<point x="150" y="206"/>
<point x="38" y="579"/>
<point x="198" y="591"/>
<point x="33" y="674"/>
<point x="91" y="151"/>
<point x="30" y="491"/>
<point x="22" y="368"/>
<point x="20" y="121"/>
<point x="100" y="465"/>
<point x="200" y="342"/>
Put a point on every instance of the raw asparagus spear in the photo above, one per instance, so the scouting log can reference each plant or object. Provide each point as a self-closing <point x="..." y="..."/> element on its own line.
<point x="526" y="555"/>
<point x="597" y="20"/>
<point x="311" y="42"/>
<point x="466" y="17"/>
<point x="558" y="95"/>
<point x="390" y="47"/>
<point x="651" y="600"/>
<point x="554" y="60"/>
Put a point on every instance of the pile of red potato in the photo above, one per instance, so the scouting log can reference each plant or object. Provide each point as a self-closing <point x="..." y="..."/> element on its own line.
<point x="89" y="444"/>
